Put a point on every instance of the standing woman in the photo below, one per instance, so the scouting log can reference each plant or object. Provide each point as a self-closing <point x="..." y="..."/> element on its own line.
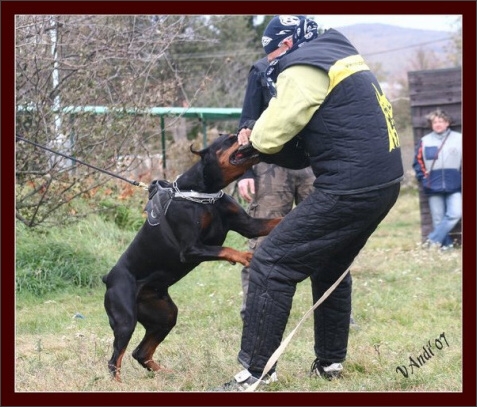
<point x="438" y="166"/>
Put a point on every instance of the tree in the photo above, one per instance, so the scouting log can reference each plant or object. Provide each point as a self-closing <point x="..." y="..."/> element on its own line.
<point x="123" y="63"/>
<point x="215" y="67"/>
<point x="455" y="52"/>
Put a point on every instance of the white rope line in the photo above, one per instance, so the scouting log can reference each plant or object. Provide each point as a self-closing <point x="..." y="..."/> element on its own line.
<point x="284" y="344"/>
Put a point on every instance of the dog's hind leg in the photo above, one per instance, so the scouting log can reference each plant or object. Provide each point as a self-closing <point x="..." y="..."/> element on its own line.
<point x="120" y="305"/>
<point x="158" y="314"/>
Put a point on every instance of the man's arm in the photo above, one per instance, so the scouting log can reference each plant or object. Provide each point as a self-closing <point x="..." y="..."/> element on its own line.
<point x="301" y="90"/>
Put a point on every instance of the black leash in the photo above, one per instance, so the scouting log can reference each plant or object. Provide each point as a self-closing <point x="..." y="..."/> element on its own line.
<point x="112" y="174"/>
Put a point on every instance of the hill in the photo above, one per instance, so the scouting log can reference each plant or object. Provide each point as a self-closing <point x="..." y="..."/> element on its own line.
<point x="395" y="47"/>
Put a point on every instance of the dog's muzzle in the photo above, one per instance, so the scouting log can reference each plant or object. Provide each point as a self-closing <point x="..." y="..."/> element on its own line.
<point x="244" y="154"/>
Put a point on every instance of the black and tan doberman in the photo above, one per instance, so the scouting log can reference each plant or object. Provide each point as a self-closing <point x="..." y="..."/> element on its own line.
<point x="187" y="223"/>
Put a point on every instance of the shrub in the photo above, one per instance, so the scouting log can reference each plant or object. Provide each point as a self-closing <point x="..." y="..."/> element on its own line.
<point x="58" y="258"/>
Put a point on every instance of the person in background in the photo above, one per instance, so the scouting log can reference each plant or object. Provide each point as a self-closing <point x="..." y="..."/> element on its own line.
<point x="438" y="167"/>
<point x="327" y="95"/>
<point x="271" y="190"/>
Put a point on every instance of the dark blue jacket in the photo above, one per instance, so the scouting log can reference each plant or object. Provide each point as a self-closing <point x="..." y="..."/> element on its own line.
<point x="438" y="162"/>
<point x="257" y="95"/>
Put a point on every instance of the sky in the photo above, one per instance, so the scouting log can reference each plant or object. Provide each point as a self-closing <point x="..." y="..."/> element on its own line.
<point x="442" y="22"/>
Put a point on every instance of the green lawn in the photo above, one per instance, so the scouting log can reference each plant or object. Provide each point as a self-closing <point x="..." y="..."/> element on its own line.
<point x="407" y="303"/>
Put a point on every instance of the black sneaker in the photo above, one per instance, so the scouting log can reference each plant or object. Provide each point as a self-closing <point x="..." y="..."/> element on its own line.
<point x="327" y="370"/>
<point x="244" y="379"/>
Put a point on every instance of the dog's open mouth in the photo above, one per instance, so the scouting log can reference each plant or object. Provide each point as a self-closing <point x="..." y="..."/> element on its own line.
<point x="244" y="154"/>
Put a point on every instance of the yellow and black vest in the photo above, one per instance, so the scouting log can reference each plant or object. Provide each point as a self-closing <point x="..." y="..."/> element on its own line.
<point x="351" y="139"/>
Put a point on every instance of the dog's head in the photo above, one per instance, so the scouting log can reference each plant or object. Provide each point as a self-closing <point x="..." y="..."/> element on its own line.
<point x="223" y="162"/>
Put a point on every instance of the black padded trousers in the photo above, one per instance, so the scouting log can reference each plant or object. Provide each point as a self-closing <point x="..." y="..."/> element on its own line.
<point x="320" y="239"/>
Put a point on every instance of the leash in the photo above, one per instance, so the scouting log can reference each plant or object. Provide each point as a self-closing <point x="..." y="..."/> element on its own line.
<point x="112" y="174"/>
<point x="284" y="344"/>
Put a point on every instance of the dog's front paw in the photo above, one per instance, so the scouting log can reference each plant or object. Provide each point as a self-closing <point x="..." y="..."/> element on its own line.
<point x="247" y="258"/>
<point x="233" y="256"/>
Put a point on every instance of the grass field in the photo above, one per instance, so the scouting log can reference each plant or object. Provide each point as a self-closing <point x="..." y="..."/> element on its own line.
<point x="407" y="303"/>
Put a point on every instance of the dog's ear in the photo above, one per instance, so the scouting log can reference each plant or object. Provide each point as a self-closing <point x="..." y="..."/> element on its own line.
<point x="200" y="153"/>
<point x="223" y="141"/>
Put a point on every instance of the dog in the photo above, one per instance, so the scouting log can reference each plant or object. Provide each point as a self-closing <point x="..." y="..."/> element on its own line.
<point x="187" y="223"/>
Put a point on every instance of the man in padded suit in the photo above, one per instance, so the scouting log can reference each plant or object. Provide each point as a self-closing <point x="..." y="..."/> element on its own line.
<point x="326" y="94"/>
